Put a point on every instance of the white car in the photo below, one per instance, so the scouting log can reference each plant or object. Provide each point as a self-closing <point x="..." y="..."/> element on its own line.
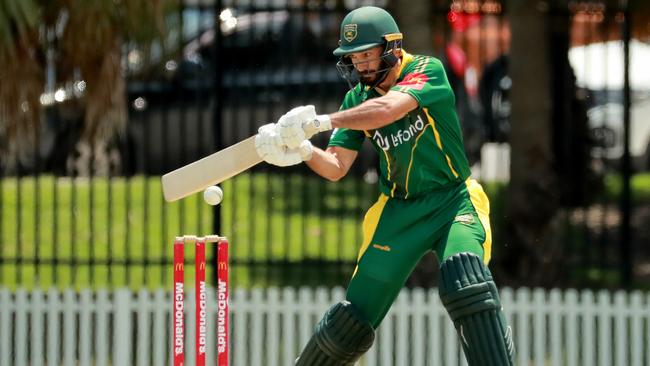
<point x="599" y="68"/>
<point x="606" y="125"/>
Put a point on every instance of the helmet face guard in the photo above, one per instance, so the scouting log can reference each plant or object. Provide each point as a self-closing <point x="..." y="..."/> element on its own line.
<point x="388" y="59"/>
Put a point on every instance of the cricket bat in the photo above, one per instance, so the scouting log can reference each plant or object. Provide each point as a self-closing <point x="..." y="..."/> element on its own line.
<point x="210" y="170"/>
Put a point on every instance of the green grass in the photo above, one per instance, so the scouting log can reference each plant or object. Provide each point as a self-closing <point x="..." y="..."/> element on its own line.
<point x="639" y="187"/>
<point x="53" y="222"/>
<point x="56" y="221"/>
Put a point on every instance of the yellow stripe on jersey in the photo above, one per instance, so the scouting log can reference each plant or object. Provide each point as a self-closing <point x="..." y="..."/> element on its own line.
<point x="370" y="223"/>
<point x="392" y="191"/>
<point x="451" y="166"/>
<point x="432" y="122"/>
<point x="407" y="58"/>
<point x="408" y="172"/>
<point x="482" y="206"/>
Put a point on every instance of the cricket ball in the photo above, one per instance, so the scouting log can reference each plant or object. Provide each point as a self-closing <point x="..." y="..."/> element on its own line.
<point x="213" y="195"/>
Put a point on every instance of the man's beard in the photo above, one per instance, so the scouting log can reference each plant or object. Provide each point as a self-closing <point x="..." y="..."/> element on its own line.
<point x="368" y="77"/>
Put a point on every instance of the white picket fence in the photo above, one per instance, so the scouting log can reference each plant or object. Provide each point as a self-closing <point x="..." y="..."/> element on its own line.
<point x="268" y="327"/>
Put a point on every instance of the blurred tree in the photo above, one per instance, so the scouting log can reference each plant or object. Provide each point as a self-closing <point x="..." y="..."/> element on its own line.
<point x="532" y="192"/>
<point x="21" y="73"/>
<point x="414" y="19"/>
<point x="550" y="162"/>
<point x="49" y="44"/>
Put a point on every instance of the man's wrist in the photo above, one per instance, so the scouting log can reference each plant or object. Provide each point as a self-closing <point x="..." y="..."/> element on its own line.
<point x="323" y="122"/>
<point x="314" y="125"/>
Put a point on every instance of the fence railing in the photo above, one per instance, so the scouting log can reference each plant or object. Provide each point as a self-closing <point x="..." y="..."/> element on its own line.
<point x="92" y="214"/>
<point x="268" y="327"/>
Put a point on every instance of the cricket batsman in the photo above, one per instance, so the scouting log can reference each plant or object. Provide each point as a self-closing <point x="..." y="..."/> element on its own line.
<point x="404" y="105"/>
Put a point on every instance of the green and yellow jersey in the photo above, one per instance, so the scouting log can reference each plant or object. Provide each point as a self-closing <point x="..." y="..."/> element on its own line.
<point x="423" y="151"/>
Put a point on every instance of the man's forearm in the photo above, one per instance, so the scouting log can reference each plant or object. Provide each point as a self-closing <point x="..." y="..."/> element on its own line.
<point x="326" y="165"/>
<point x="372" y="114"/>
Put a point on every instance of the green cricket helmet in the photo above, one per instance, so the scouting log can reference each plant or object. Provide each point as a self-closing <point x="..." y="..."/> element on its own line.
<point x="362" y="29"/>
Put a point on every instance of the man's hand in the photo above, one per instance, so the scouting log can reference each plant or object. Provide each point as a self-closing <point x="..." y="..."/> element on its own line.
<point x="271" y="149"/>
<point x="301" y="123"/>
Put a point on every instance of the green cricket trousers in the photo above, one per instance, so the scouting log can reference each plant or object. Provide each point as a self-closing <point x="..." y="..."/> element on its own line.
<point x="398" y="232"/>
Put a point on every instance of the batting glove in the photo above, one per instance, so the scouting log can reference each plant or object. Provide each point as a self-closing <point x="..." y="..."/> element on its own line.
<point x="271" y="149"/>
<point x="301" y="123"/>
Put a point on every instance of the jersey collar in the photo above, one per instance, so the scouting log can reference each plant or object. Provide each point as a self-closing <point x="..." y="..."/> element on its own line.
<point x="407" y="58"/>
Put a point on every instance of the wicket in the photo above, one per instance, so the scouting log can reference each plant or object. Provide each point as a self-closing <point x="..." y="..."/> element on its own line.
<point x="201" y="299"/>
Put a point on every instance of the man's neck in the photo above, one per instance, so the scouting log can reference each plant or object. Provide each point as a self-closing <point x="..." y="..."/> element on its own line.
<point x="391" y="78"/>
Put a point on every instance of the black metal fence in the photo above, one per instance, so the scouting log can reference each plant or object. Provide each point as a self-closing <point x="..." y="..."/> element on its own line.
<point x="80" y="214"/>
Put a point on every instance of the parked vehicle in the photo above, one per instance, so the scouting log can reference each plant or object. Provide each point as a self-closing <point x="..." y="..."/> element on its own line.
<point x="599" y="69"/>
<point x="606" y="124"/>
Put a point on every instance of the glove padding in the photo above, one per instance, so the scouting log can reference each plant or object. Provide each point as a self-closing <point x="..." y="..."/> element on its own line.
<point x="271" y="149"/>
<point x="301" y="123"/>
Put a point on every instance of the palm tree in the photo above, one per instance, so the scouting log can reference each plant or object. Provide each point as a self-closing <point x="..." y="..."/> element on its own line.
<point x="46" y="44"/>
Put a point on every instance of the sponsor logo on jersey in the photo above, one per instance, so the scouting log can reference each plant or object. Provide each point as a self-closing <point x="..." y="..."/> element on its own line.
<point x="381" y="140"/>
<point x="385" y="248"/>
<point x="464" y="219"/>
<point x="350" y="32"/>
<point x="399" y="137"/>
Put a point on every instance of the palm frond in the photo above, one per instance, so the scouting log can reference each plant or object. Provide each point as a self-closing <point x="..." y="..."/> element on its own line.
<point x="22" y="80"/>
<point x="92" y="43"/>
<point x="89" y="40"/>
<point x="18" y="22"/>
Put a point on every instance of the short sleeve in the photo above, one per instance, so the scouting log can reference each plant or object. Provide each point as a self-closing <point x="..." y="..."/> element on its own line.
<point x="425" y="80"/>
<point x="347" y="138"/>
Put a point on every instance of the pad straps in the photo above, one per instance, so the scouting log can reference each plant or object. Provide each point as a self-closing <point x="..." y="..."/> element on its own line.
<point x="471" y="298"/>
<point x="340" y="338"/>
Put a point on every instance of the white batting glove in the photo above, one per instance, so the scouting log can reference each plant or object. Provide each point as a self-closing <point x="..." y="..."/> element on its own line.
<point x="305" y="150"/>
<point x="271" y="149"/>
<point x="301" y="123"/>
<point x="267" y="140"/>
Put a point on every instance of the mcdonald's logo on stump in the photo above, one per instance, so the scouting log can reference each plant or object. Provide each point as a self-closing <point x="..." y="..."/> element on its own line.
<point x="200" y="289"/>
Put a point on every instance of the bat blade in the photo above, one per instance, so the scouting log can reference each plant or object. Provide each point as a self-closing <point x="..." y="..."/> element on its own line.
<point x="210" y="170"/>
